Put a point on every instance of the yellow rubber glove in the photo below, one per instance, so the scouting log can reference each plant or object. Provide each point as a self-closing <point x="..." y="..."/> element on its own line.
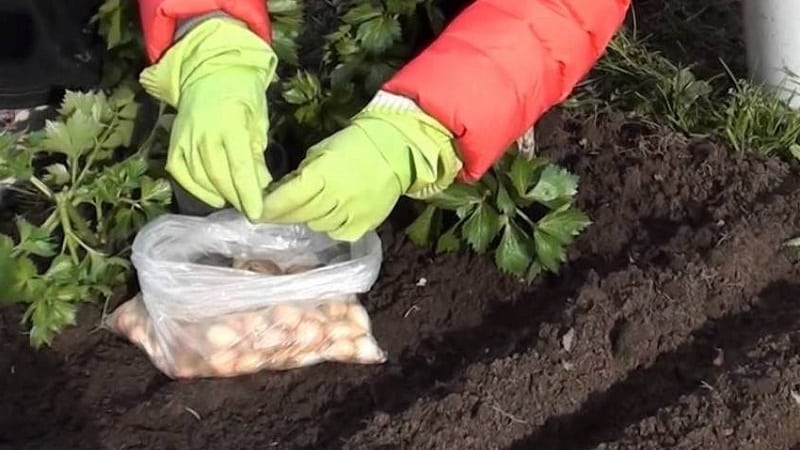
<point x="349" y="183"/>
<point x="217" y="76"/>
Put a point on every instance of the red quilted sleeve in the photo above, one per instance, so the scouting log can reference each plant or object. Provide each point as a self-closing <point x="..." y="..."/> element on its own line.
<point x="159" y="18"/>
<point x="501" y="64"/>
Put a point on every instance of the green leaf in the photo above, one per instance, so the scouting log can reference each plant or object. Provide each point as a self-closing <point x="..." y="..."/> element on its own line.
<point x="462" y="212"/>
<point x="378" y="34"/>
<point x="401" y="7"/>
<point x="80" y="225"/>
<point x="285" y="8"/>
<point x="283" y="42"/>
<point x="99" y="271"/>
<point x="74" y="137"/>
<point x="549" y="250"/>
<point x="794" y="150"/>
<point x="523" y="173"/>
<point x="489" y="182"/>
<point x="362" y="12"/>
<point x="123" y="98"/>
<point x="56" y="174"/>
<point x="377" y="74"/>
<point x="308" y="113"/>
<point x="33" y="239"/>
<point x="8" y="291"/>
<point x="449" y="241"/>
<point x="74" y="101"/>
<point x="121" y="136"/>
<point x="481" y="228"/>
<point x="554" y="183"/>
<point x="302" y="88"/>
<point x="534" y="271"/>
<point x="344" y="73"/>
<point x="57" y="137"/>
<point x="342" y="43"/>
<point x="158" y="191"/>
<point x="129" y="111"/>
<point x="420" y="232"/>
<point x="515" y="251"/>
<point x="111" y="27"/>
<point x="24" y="279"/>
<point x="564" y="225"/>
<point x="50" y="315"/>
<point x="61" y="270"/>
<point x="504" y="201"/>
<point x="16" y="161"/>
<point x="456" y="196"/>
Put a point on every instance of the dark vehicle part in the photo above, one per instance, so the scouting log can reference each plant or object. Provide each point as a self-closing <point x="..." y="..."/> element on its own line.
<point x="46" y="46"/>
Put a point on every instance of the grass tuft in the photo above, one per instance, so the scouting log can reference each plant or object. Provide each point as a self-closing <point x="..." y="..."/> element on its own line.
<point x="744" y="116"/>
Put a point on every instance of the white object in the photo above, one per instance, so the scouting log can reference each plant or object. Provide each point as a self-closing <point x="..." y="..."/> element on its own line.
<point x="773" y="45"/>
<point x="179" y="292"/>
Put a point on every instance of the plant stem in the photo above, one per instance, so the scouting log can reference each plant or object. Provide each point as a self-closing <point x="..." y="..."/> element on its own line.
<point x="41" y="186"/>
<point x="525" y="217"/>
<point x="66" y="226"/>
<point x="51" y="221"/>
<point x="144" y="149"/>
<point x="90" y="160"/>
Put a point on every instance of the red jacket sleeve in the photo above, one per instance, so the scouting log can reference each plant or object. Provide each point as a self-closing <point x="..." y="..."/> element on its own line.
<point x="159" y="18"/>
<point x="501" y="64"/>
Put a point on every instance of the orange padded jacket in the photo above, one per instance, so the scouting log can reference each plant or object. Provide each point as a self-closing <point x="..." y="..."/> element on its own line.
<point x="491" y="74"/>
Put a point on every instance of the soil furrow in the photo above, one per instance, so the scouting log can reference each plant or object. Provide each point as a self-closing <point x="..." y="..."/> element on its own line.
<point x="684" y="258"/>
<point x="689" y="294"/>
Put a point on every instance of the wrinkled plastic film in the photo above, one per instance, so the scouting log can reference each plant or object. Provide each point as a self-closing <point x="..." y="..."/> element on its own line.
<point x="197" y="316"/>
<point x="166" y="251"/>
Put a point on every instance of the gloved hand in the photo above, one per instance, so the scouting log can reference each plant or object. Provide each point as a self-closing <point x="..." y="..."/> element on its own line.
<point x="217" y="76"/>
<point x="349" y="182"/>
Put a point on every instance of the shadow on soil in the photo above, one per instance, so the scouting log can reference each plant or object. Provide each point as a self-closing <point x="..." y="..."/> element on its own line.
<point x="604" y="416"/>
<point x="432" y="368"/>
<point x="27" y="423"/>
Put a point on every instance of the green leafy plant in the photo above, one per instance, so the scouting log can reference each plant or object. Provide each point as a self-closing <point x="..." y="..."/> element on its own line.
<point x="370" y="43"/>
<point x="286" y="17"/>
<point x="81" y="192"/>
<point x="117" y="22"/>
<point x="83" y="199"/>
<point x="524" y="206"/>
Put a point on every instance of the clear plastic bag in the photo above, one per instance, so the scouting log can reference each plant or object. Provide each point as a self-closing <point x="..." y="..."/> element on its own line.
<point x="221" y="296"/>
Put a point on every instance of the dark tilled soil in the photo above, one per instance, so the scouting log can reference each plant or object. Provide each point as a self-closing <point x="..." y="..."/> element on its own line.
<point x="673" y="326"/>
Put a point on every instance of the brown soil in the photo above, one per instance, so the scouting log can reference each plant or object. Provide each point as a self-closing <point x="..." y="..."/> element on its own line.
<point x="674" y="325"/>
<point x="680" y="302"/>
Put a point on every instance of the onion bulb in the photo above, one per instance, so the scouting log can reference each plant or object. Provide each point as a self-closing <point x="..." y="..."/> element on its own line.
<point x="341" y="330"/>
<point x="308" y="333"/>
<point x="221" y="336"/>
<point x="343" y="351"/>
<point x="334" y="309"/>
<point x="286" y="315"/>
<point x="367" y="351"/>
<point x="358" y="316"/>
<point x="249" y="362"/>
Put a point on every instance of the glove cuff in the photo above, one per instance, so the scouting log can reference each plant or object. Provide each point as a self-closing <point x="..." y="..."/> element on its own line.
<point x="214" y="45"/>
<point x="388" y="102"/>
<point x="425" y="143"/>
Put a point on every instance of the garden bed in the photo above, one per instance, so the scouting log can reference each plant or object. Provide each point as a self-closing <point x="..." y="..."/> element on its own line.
<point x="673" y="324"/>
